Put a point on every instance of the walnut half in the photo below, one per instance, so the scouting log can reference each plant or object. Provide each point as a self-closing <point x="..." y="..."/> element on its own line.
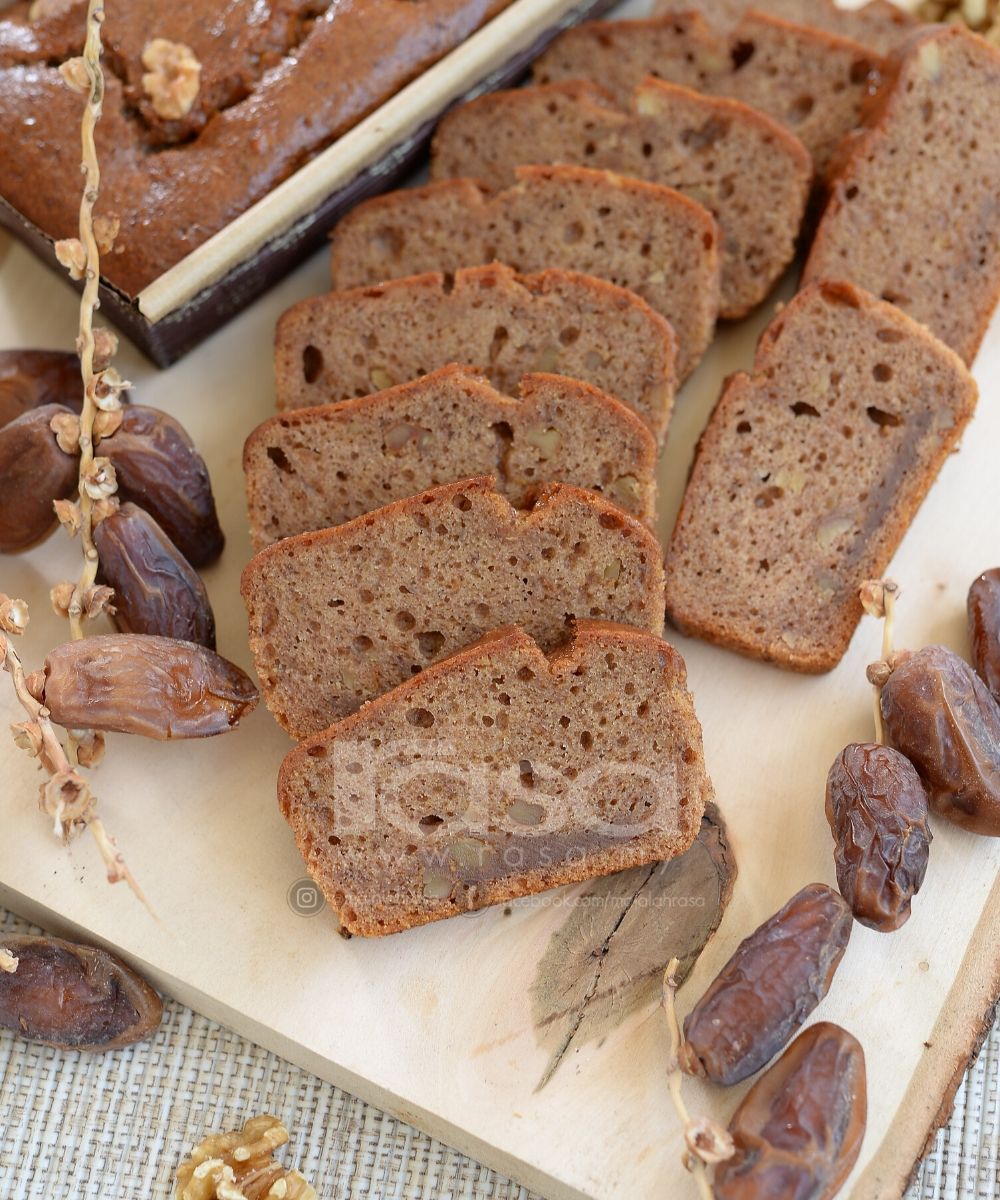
<point x="172" y="78"/>
<point x="240" y="1166"/>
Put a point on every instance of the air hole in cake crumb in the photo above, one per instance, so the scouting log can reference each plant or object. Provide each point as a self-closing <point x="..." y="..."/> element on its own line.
<point x="801" y="107"/>
<point x="883" y="419"/>
<point x="764" y="565"/>
<point x="610" y="521"/>
<point x="430" y="642"/>
<point x="890" y="335"/>
<point x="802" y="408"/>
<point x="527" y="776"/>
<point x="741" y="53"/>
<point x="881" y="372"/>
<point x="590" y="149"/>
<point x="312" y="364"/>
<point x="647" y="149"/>
<point x="405" y="620"/>
<point x="643" y="709"/>
<point x="744" y="427"/>
<point x="504" y="699"/>
<point x="564" y="722"/>
<point x="573" y="233"/>
<point x="525" y="674"/>
<point x="461" y="502"/>
<point x="569" y="335"/>
<point x="333" y="840"/>
<point x="548" y="552"/>
<point x="280" y="459"/>
<point x="317" y="752"/>
<point x="447" y="287"/>
<point x="366" y="596"/>
<point x="488" y="722"/>
<point x="423" y="718"/>
<point x="587" y="740"/>
<point x="500" y="336"/>
<point x="431" y="821"/>
<point x="363" y="643"/>
<point x="851" y="192"/>
<point x="861" y="68"/>
<point x="767" y="497"/>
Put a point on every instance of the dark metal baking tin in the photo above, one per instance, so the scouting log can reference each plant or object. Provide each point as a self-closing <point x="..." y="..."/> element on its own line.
<point x="180" y="331"/>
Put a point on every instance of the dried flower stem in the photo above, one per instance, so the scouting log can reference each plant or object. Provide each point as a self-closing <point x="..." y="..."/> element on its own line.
<point x="878" y="598"/>
<point x="707" y="1142"/>
<point x="89" y="301"/>
<point x="66" y="798"/>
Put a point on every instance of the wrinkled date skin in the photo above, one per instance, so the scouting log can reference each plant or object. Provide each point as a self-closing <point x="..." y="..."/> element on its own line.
<point x="799" y="1130"/>
<point x="160" y="470"/>
<point x="152" y="686"/>
<point x="32" y="378"/>
<point x="767" y="989"/>
<point x="156" y="589"/>
<point x="877" y="809"/>
<point x="941" y="716"/>
<point x="984" y="629"/>
<point x="75" y="997"/>
<point x="33" y="473"/>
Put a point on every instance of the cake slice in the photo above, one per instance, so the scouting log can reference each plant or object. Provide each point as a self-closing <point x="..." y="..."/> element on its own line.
<point x="813" y="82"/>
<point x="878" y="25"/>
<point x="340" y="616"/>
<point x="914" y="214"/>
<point x="641" y="236"/>
<point x="747" y="170"/>
<point x="316" y="467"/>
<point x="808" y="474"/>
<point x="498" y="773"/>
<point x="362" y="340"/>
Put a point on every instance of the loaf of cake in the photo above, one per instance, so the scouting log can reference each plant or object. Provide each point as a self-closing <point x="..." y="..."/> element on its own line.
<point x="811" y="81"/>
<point x="808" y="474"/>
<point x="746" y="169"/>
<point x="207" y="107"/>
<point x="345" y="344"/>
<point x="316" y="467"/>
<point x="497" y="773"/>
<point x="914" y="214"/>
<point x="340" y="616"/>
<point x="879" y="24"/>
<point x="641" y="236"/>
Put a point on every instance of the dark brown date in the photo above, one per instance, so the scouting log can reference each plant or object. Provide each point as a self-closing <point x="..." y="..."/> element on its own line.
<point x="877" y="809"/>
<point x="771" y="984"/>
<point x="159" y="469"/>
<point x="941" y="716"/>
<point x="31" y="378"/>
<point x="799" y="1129"/>
<point x="984" y="629"/>
<point x="33" y="473"/>
<point x="75" y="997"/>
<point x="152" y="686"/>
<point x="156" y="589"/>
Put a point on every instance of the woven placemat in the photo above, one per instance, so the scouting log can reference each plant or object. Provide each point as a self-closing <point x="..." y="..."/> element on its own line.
<point x="83" y="1127"/>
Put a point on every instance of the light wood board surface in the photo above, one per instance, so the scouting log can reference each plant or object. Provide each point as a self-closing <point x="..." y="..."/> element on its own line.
<point x="436" y="1025"/>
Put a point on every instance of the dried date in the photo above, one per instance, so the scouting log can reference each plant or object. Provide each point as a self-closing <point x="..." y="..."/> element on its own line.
<point x="984" y="629"/>
<point x="799" y="1129"/>
<point x="766" y="990"/>
<point x="32" y="378"/>
<point x="75" y="997"/>
<point x="159" y="469"/>
<point x="152" y="686"/>
<point x="33" y="473"/>
<point x="156" y="590"/>
<point x="940" y="715"/>
<point x="877" y="809"/>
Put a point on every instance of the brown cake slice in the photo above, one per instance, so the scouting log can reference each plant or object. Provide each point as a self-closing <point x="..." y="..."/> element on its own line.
<point x="362" y="340"/>
<point x="879" y="24"/>
<point x="914" y="215"/>
<point x="808" y="474"/>
<point x="316" y="467"/>
<point x="746" y="169"/>
<point x="340" y="616"/>
<point x="498" y="773"/>
<point x="813" y="82"/>
<point x="641" y="236"/>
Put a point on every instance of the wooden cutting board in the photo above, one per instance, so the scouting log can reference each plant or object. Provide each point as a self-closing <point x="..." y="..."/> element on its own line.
<point x="447" y="1026"/>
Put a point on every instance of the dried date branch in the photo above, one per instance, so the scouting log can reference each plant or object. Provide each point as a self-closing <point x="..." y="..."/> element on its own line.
<point x="708" y="1142"/>
<point x="878" y="599"/>
<point x="65" y="796"/>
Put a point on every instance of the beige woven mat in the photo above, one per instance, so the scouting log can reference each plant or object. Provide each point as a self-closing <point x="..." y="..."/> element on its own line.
<point x="79" y="1127"/>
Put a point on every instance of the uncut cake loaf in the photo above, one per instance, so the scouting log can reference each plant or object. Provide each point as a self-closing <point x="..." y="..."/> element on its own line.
<point x="814" y="83"/>
<point x="497" y="773"/>
<point x="747" y="170"/>
<point x="340" y="616"/>
<point x="913" y="215"/>
<point x="808" y="474"/>
<point x="316" y="467"/>
<point x="207" y="106"/>
<point x="641" y="236"/>
<point x="879" y="25"/>
<point x="350" y="343"/>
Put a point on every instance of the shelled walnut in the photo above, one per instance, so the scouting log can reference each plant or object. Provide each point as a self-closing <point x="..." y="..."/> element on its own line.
<point x="241" y="1166"/>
